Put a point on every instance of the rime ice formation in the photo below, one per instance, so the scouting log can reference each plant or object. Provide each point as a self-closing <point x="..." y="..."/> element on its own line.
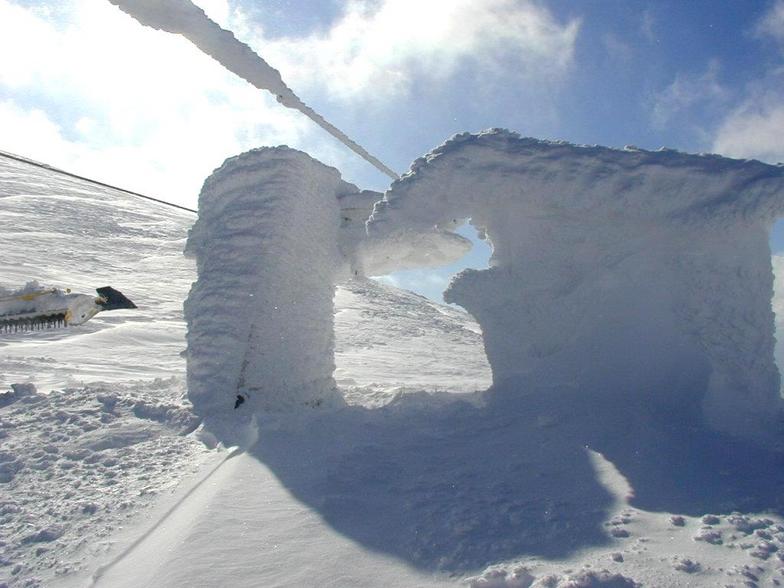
<point x="260" y="315"/>
<point x="276" y="231"/>
<point x="634" y="275"/>
<point x="185" y="18"/>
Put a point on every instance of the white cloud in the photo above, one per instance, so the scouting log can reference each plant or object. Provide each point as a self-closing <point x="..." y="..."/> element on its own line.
<point x="91" y="90"/>
<point x="756" y="127"/>
<point x="617" y="49"/>
<point x="686" y="92"/>
<point x="34" y="134"/>
<point x="129" y="105"/>
<point x="772" y="24"/>
<point x="648" y="27"/>
<point x="378" y="48"/>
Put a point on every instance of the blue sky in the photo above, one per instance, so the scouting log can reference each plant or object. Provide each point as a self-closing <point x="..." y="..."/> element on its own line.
<point x="91" y="90"/>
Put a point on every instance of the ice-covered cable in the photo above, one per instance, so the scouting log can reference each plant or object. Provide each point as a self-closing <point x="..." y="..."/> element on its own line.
<point x="184" y="18"/>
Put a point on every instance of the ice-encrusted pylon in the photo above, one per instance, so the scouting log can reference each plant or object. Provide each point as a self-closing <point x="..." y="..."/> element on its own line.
<point x="260" y="315"/>
<point x="631" y="275"/>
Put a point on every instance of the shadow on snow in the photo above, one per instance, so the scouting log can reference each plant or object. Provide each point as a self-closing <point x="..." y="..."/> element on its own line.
<point x="447" y="485"/>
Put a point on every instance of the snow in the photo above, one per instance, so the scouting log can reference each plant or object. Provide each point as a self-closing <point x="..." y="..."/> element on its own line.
<point x="637" y="275"/>
<point x="379" y="324"/>
<point x="276" y="232"/>
<point x="94" y="419"/>
<point x="414" y="478"/>
<point x="64" y="232"/>
<point x="77" y="464"/>
<point x="260" y="316"/>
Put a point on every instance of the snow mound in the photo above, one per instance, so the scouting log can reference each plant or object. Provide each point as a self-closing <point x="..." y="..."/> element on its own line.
<point x="633" y="275"/>
<point x="522" y="578"/>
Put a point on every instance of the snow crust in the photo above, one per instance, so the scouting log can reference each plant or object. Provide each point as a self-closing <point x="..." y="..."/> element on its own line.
<point x="77" y="464"/>
<point x="69" y="233"/>
<point x="624" y="273"/>
<point x="376" y="325"/>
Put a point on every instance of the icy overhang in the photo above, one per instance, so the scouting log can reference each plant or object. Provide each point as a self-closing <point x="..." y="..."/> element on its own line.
<point x="496" y="169"/>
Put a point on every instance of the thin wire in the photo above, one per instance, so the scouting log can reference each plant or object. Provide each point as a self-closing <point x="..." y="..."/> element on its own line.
<point x="8" y="155"/>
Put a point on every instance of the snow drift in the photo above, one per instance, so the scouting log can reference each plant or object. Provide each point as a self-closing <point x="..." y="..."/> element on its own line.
<point x="629" y="274"/>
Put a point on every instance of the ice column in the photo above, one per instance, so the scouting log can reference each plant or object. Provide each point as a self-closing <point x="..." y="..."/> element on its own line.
<point x="260" y="316"/>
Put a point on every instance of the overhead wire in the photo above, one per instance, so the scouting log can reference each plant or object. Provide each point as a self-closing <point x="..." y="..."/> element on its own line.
<point x="47" y="167"/>
<point x="183" y="17"/>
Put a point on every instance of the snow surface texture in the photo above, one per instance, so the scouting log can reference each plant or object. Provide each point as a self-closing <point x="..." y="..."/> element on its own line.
<point x="628" y="274"/>
<point x="185" y="18"/>
<point x="77" y="464"/>
<point x="93" y="418"/>
<point x="376" y="325"/>
<point x="68" y="233"/>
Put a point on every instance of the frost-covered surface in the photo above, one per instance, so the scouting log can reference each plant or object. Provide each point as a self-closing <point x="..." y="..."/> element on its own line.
<point x="68" y="233"/>
<point x="433" y="491"/>
<point x="87" y="461"/>
<point x="260" y="316"/>
<point x="778" y="306"/>
<point x="277" y="230"/>
<point x="377" y="325"/>
<point x="77" y="464"/>
<point x="643" y="276"/>
<point x="92" y="418"/>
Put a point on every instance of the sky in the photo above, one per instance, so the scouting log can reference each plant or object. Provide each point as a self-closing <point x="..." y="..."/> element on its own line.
<point x="86" y="88"/>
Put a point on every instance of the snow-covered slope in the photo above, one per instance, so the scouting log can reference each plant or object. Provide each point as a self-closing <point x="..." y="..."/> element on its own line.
<point x="96" y="423"/>
<point x="95" y="430"/>
<point x="387" y="336"/>
<point x="395" y="489"/>
<point x="66" y="232"/>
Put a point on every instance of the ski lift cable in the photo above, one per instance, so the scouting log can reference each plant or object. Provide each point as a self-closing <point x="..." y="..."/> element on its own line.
<point x="47" y="167"/>
<point x="183" y="17"/>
